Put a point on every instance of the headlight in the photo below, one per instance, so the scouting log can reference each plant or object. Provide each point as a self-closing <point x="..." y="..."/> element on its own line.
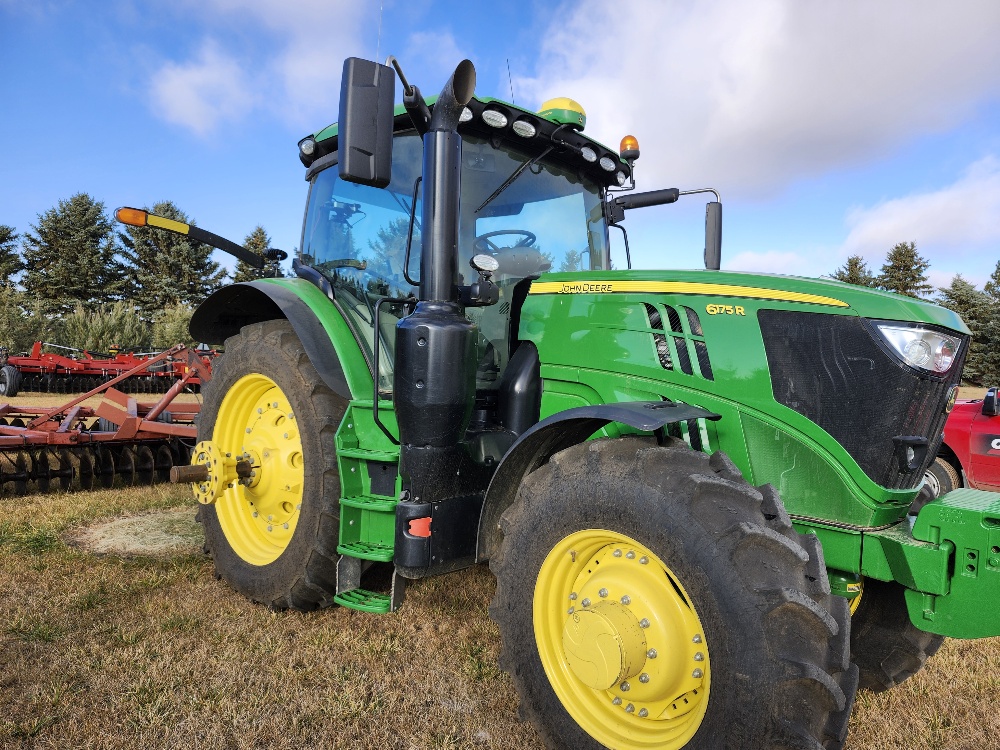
<point x="921" y="347"/>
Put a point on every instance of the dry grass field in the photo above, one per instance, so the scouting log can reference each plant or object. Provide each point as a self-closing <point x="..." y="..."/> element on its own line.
<point x="105" y="643"/>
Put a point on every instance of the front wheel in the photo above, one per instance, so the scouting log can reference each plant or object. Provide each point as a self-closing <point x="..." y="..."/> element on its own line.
<point x="273" y="535"/>
<point x="648" y="597"/>
<point x="939" y="479"/>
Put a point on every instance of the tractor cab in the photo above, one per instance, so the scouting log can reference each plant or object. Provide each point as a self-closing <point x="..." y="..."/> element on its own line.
<point x="531" y="201"/>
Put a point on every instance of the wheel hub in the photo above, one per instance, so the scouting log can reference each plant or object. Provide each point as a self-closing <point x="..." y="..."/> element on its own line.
<point x="603" y="645"/>
<point x="621" y="642"/>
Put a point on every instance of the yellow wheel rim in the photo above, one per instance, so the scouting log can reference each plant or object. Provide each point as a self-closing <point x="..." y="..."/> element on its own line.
<point x="856" y="601"/>
<point x="621" y="642"/>
<point x="259" y="515"/>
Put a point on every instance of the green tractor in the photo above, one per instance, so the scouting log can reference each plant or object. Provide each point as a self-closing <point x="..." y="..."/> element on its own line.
<point x="692" y="486"/>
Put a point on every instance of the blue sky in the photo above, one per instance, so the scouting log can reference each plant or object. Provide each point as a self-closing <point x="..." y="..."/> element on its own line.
<point x="830" y="128"/>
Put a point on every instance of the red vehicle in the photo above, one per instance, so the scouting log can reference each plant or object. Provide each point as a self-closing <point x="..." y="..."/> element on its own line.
<point x="970" y="453"/>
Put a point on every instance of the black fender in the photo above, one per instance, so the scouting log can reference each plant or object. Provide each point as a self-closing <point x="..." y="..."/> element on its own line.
<point x="226" y="311"/>
<point x="560" y="431"/>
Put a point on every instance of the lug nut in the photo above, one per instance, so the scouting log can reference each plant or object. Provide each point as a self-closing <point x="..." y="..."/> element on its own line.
<point x="572" y="597"/>
<point x="630" y="555"/>
<point x="617" y="701"/>
<point x="586" y="602"/>
<point x="629" y="708"/>
<point x="625" y="687"/>
<point x="285" y="525"/>
<point x="571" y="610"/>
<point x="644" y="678"/>
<point x="269" y="527"/>
<point x="643" y="623"/>
<point x="617" y="553"/>
<point x="697" y="674"/>
<point x="651" y="653"/>
<point x="602" y="593"/>
<point x="699" y="656"/>
<point x="643" y="713"/>
<point x="643" y="560"/>
<point x="626" y="600"/>
<point x="696" y="639"/>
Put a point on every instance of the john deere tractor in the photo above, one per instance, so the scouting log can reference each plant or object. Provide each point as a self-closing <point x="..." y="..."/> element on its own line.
<point x="692" y="486"/>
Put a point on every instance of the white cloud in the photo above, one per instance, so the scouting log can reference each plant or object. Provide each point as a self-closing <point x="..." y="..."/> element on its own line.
<point x="201" y="93"/>
<point x="749" y="97"/>
<point x="293" y="70"/>
<point x="957" y="219"/>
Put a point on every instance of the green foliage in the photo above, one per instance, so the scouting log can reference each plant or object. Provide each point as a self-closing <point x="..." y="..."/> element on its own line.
<point x="164" y="268"/>
<point x="71" y="256"/>
<point x="10" y="259"/>
<point x="171" y="326"/>
<point x="904" y="271"/>
<point x="388" y="252"/>
<point x="257" y="241"/>
<point x="976" y="309"/>
<point x="855" y="271"/>
<point x="571" y="261"/>
<point x="99" y="328"/>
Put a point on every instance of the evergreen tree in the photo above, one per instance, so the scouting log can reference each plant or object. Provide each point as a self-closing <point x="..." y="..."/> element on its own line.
<point x="171" y="327"/>
<point x="855" y="271"/>
<point x="992" y="287"/>
<point x="388" y="253"/>
<point x="99" y="328"/>
<point x="164" y="268"/>
<point x="571" y="261"/>
<point x="70" y="257"/>
<point x="976" y="309"/>
<point x="904" y="271"/>
<point x="10" y="259"/>
<point x="257" y="241"/>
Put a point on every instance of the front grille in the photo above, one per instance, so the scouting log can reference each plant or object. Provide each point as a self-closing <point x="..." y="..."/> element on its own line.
<point x="830" y="369"/>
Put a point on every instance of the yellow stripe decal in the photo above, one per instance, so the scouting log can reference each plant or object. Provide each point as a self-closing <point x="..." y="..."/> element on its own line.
<point x="678" y="287"/>
<point x="169" y="224"/>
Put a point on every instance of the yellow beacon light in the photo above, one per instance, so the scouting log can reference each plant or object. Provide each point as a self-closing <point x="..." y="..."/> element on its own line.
<point x="134" y="217"/>
<point x="629" y="148"/>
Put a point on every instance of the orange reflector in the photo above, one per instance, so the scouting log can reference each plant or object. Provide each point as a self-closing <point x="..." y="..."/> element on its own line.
<point x="420" y="526"/>
<point x="135" y="217"/>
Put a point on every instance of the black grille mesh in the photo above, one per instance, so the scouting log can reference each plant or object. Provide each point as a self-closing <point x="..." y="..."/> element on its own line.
<point x="830" y="369"/>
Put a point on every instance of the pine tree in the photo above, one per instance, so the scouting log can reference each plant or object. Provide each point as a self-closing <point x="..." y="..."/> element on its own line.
<point x="904" y="271"/>
<point x="992" y="287"/>
<point x="71" y="256"/>
<point x="975" y="308"/>
<point x="855" y="271"/>
<point x="10" y="259"/>
<point x="164" y="268"/>
<point x="257" y="241"/>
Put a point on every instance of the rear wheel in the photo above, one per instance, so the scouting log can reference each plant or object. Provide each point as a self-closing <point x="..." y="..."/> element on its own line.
<point x="274" y="536"/>
<point x="886" y="646"/>
<point x="648" y="597"/>
<point x="939" y="479"/>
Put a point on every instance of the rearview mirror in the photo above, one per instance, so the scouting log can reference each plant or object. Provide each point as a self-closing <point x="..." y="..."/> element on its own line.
<point x="713" y="235"/>
<point x="990" y="403"/>
<point x="364" y="139"/>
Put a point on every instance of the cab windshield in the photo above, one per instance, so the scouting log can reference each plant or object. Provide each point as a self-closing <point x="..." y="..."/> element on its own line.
<point x="547" y="219"/>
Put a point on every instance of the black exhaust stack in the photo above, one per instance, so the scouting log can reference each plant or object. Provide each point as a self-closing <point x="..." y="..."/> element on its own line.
<point x="434" y="378"/>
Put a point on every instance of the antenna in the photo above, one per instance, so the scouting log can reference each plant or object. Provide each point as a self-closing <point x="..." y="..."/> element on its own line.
<point x="378" y="44"/>
<point x="511" y="81"/>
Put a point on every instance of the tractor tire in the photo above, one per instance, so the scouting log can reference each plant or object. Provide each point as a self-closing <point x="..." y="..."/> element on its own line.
<point x="885" y="645"/>
<point x="10" y="380"/>
<point x="274" y="539"/>
<point x="939" y="479"/>
<point x="647" y="596"/>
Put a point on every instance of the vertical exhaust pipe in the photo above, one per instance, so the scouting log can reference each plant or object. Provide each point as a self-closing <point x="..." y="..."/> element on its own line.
<point x="434" y="378"/>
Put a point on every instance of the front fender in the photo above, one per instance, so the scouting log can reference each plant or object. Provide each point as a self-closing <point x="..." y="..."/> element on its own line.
<point x="325" y="335"/>
<point x="556" y="433"/>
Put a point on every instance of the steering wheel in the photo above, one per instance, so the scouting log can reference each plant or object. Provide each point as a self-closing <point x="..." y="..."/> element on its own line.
<point x="483" y="243"/>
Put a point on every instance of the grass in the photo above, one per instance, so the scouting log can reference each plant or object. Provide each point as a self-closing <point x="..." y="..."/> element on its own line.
<point x="105" y="651"/>
<point x="111" y="651"/>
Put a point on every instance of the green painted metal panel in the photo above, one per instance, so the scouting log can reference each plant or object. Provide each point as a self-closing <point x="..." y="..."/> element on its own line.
<point x="967" y="523"/>
<point x="356" y="370"/>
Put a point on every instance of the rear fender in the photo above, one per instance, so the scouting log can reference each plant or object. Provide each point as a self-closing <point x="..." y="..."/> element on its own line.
<point x="325" y="336"/>
<point x="557" y="433"/>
